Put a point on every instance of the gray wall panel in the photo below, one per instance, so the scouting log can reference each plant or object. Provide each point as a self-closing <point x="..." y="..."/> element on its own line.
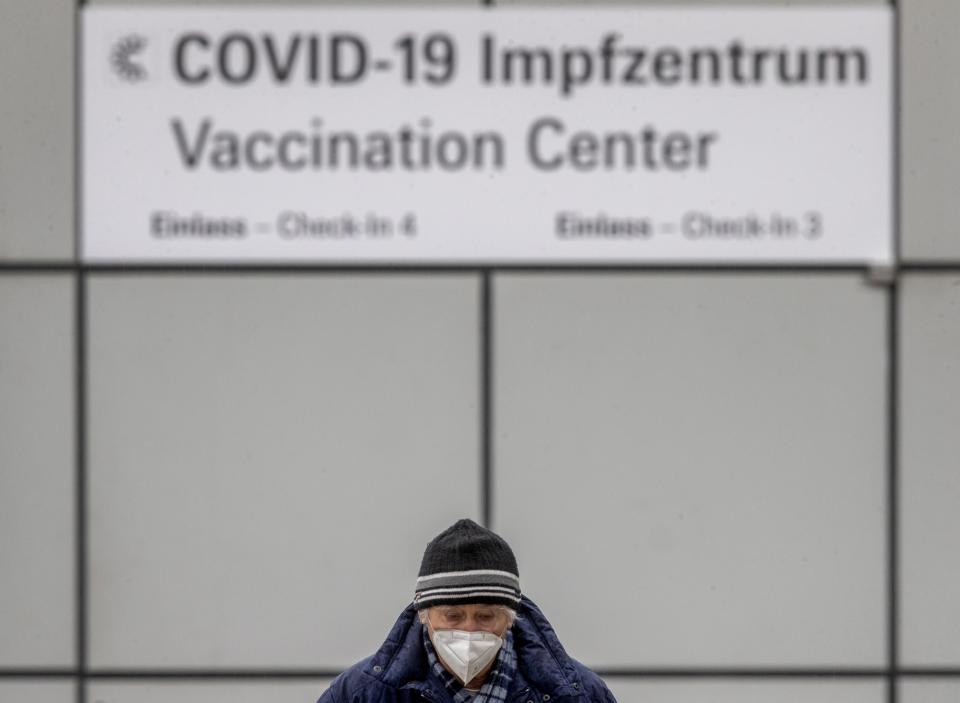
<point x="207" y="692"/>
<point x="930" y="141"/>
<point x="36" y="129"/>
<point x="745" y="691"/>
<point x="695" y="3"/>
<point x="36" y="692"/>
<point x="929" y="691"/>
<point x="692" y="466"/>
<point x="281" y="3"/>
<point x="930" y="481"/>
<point x="268" y="458"/>
<point x="36" y="471"/>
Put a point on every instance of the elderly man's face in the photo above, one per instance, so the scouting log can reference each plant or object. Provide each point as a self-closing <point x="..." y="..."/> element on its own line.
<point x="472" y="618"/>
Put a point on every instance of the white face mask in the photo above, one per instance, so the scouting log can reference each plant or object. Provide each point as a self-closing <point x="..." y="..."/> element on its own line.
<point x="466" y="653"/>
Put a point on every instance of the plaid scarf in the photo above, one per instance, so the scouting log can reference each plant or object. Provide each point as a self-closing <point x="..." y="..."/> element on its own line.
<point x="494" y="689"/>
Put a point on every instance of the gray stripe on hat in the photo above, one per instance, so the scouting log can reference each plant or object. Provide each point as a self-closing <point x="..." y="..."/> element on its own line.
<point x="504" y="589"/>
<point x="473" y="595"/>
<point x="469" y="578"/>
<point x="466" y="591"/>
<point x="479" y="572"/>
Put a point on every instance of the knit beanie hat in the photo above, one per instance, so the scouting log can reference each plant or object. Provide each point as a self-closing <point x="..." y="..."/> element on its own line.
<point x="467" y="563"/>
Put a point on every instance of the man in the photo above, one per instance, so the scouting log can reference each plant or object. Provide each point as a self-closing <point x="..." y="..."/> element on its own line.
<point x="469" y="637"/>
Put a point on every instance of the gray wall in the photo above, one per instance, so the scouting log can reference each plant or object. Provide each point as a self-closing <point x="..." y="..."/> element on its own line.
<point x="692" y="466"/>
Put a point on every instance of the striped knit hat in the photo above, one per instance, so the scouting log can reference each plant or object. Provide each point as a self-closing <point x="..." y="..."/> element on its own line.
<point x="467" y="563"/>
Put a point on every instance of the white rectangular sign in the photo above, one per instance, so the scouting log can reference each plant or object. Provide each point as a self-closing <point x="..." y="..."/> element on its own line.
<point x="601" y="136"/>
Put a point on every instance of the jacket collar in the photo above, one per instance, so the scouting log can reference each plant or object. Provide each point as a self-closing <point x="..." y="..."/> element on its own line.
<point x="544" y="668"/>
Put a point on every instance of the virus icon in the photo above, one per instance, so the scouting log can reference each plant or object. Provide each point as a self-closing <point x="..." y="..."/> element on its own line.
<point x="121" y="58"/>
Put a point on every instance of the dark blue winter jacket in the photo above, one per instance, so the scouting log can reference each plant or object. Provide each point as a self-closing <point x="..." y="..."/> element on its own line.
<point x="397" y="673"/>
